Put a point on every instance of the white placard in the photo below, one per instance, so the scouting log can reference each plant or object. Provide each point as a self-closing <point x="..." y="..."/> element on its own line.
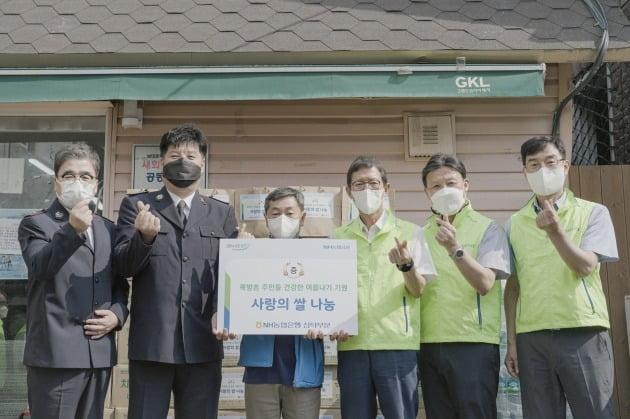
<point x="319" y="205"/>
<point x="146" y="171"/>
<point x="11" y="175"/>
<point x="287" y="286"/>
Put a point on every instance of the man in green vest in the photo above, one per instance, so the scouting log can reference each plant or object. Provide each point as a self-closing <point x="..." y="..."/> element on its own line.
<point x="461" y="313"/>
<point x="393" y="267"/>
<point x="556" y="314"/>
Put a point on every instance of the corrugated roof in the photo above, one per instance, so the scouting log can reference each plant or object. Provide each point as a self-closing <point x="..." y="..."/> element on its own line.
<point x="60" y="27"/>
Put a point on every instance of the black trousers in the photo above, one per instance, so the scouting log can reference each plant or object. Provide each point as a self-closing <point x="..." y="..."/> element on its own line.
<point x="459" y="380"/>
<point x="55" y="393"/>
<point x="195" y="388"/>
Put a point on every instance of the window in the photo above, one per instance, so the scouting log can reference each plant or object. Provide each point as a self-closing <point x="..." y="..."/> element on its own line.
<point x="27" y="148"/>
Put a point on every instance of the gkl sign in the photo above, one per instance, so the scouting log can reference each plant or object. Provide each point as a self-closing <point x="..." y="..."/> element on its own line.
<point x="472" y="84"/>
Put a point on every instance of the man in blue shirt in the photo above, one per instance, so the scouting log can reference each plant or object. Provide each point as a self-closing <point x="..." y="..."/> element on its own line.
<point x="284" y="373"/>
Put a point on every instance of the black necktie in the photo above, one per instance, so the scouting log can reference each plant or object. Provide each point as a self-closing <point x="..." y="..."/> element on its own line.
<point x="181" y="206"/>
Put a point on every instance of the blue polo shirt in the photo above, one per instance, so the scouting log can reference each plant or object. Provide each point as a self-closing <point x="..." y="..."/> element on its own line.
<point x="282" y="369"/>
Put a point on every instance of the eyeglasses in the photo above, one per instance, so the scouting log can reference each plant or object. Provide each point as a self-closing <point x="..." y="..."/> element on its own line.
<point x="534" y="165"/>
<point x="83" y="177"/>
<point x="359" y="185"/>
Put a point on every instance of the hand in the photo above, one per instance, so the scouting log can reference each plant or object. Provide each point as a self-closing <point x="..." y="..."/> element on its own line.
<point x="340" y="336"/>
<point x="103" y="322"/>
<point x="447" y="235"/>
<point x="511" y="361"/>
<point x="81" y="216"/>
<point x="146" y="223"/>
<point x="314" y="334"/>
<point x="400" y="255"/>
<point x="547" y="219"/>
<point x="242" y="234"/>
<point x="223" y="334"/>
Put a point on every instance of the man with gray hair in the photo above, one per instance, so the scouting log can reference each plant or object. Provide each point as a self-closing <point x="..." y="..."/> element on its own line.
<point x="284" y="373"/>
<point x="75" y="299"/>
<point x="393" y="268"/>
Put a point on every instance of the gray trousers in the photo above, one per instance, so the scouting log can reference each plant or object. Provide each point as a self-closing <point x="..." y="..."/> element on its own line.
<point x="566" y="365"/>
<point x="55" y="393"/>
<point x="272" y="401"/>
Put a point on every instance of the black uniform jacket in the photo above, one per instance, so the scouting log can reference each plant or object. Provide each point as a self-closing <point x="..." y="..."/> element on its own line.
<point x="174" y="278"/>
<point x="67" y="281"/>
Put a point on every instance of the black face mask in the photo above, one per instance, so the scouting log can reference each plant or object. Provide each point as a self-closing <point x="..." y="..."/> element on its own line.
<point x="181" y="172"/>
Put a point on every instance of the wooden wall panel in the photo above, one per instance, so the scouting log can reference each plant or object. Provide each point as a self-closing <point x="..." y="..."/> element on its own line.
<point x="312" y="142"/>
<point x="610" y="185"/>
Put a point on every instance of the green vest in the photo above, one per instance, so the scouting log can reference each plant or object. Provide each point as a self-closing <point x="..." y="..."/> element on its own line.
<point x="388" y="316"/>
<point x="552" y="296"/>
<point x="452" y="310"/>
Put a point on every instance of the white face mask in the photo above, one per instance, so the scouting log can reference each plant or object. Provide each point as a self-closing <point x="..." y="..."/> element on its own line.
<point x="545" y="182"/>
<point x="4" y="310"/>
<point x="368" y="201"/>
<point x="283" y="227"/>
<point x="73" y="192"/>
<point x="447" y="201"/>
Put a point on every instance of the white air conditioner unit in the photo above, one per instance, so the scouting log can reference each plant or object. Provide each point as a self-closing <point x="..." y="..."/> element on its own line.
<point x="428" y="134"/>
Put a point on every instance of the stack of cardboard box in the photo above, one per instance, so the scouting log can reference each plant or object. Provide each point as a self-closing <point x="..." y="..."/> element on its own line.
<point x="232" y="398"/>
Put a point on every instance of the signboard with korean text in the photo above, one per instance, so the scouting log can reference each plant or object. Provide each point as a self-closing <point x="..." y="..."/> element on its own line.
<point x="146" y="170"/>
<point x="12" y="264"/>
<point x="287" y="286"/>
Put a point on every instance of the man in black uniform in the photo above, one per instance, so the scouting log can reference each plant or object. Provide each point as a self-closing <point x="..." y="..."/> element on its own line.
<point x="169" y="243"/>
<point x="75" y="300"/>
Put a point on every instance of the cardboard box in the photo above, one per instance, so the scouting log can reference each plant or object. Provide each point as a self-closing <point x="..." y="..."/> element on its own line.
<point x="330" y="414"/>
<point x="330" y="388"/>
<point x="109" y="414"/>
<point x="232" y="396"/>
<point x="120" y="386"/>
<point x="121" y="413"/>
<point x="122" y="338"/>
<point x="330" y="351"/>
<point x="232" y="414"/>
<point x="231" y="352"/>
<point x="108" y="395"/>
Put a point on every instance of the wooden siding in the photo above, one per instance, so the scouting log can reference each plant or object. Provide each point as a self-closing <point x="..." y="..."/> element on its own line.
<point x="610" y="185"/>
<point x="312" y="142"/>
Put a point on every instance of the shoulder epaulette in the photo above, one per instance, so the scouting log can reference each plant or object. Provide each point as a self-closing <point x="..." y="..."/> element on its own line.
<point x="36" y="212"/>
<point x="132" y="192"/>
<point x="217" y="200"/>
